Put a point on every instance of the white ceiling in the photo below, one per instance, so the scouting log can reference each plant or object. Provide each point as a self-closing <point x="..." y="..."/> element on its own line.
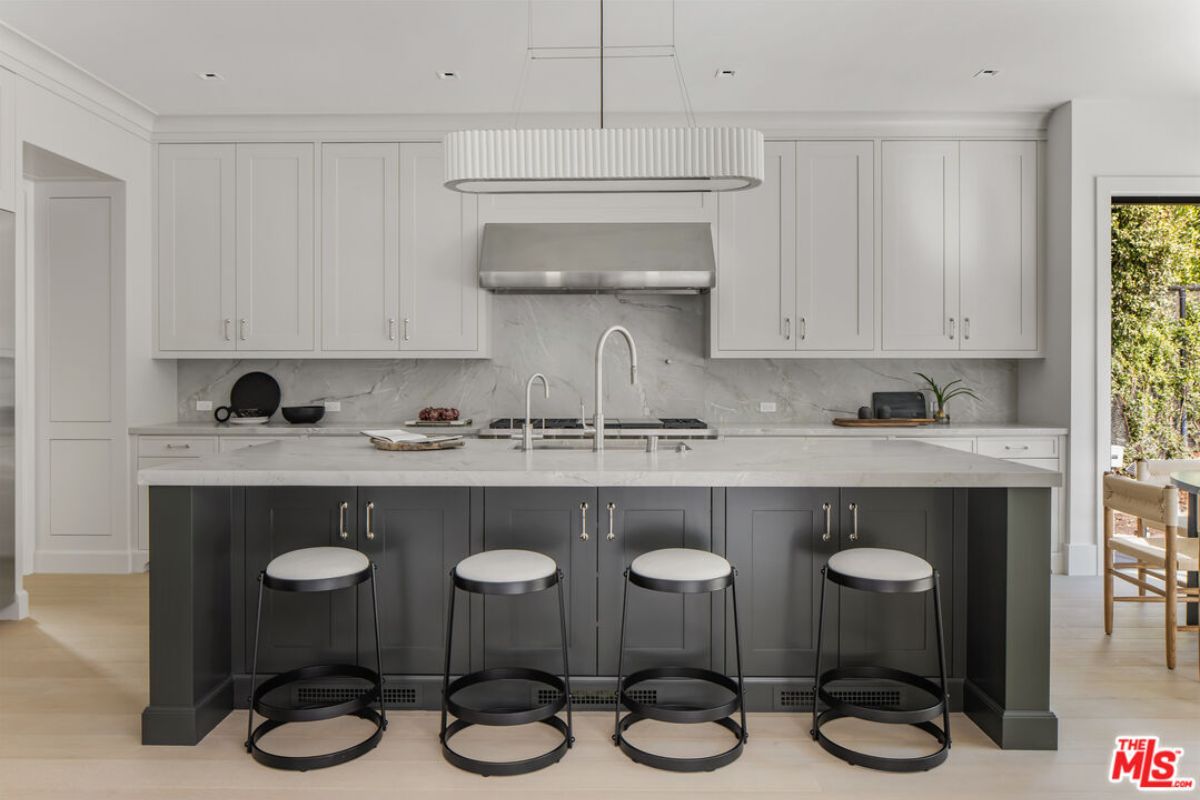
<point x="354" y="56"/>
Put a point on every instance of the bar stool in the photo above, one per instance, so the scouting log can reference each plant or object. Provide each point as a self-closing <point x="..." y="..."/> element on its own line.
<point x="506" y="572"/>
<point x="315" y="569"/>
<point x="681" y="571"/>
<point x="872" y="569"/>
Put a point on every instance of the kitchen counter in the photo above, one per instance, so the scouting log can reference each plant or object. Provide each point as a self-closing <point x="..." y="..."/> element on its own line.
<point x="282" y="428"/>
<point x="965" y="429"/>
<point x="733" y="462"/>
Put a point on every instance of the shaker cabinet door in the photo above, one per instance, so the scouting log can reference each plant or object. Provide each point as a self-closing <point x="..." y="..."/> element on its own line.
<point x="920" y="246"/>
<point x="275" y="247"/>
<point x="360" y="246"/>
<point x="756" y="269"/>
<point x="998" y="234"/>
<point x="299" y="628"/>
<point x="197" y="292"/>
<point x="662" y="628"/>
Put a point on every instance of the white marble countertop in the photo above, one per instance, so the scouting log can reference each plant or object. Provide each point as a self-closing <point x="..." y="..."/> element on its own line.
<point x="732" y="430"/>
<point x="964" y="429"/>
<point x="731" y="462"/>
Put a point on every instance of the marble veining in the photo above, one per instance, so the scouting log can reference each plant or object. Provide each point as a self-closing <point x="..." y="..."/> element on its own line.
<point x="337" y="461"/>
<point x="556" y="334"/>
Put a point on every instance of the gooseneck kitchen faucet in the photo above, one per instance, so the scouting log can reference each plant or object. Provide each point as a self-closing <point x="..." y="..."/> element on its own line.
<point x="598" y="421"/>
<point x="527" y="428"/>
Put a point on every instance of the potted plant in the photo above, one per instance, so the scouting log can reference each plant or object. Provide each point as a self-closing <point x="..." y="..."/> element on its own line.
<point x="943" y="394"/>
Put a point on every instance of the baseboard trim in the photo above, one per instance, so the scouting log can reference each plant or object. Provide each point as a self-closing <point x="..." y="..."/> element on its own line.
<point x="187" y="725"/>
<point x="18" y="608"/>
<point x="1012" y="730"/>
<point x="111" y="562"/>
<point x="1081" y="559"/>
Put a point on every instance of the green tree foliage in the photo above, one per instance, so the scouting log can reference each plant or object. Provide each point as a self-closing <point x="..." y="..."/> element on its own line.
<point x="1155" y="356"/>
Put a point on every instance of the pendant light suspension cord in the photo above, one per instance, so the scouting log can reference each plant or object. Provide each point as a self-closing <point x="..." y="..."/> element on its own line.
<point x="601" y="64"/>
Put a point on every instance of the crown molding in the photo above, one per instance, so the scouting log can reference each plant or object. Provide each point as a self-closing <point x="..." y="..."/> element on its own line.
<point x="1027" y="124"/>
<point x="45" y="68"/>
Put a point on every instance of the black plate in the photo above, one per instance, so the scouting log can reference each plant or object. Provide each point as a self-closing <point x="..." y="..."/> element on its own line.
<point x="255" y="390"/>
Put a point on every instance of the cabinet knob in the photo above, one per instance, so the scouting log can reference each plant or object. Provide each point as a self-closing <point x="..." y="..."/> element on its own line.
<point x="583" y="534"/>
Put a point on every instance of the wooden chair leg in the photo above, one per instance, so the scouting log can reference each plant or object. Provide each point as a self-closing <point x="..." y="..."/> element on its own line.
<point x="1171" y="604"/>
<point x="1108" y="573"/>
<point x="1141" y="573"/>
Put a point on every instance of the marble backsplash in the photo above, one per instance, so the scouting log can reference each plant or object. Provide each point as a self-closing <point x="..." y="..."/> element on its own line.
<point x="556" y="334"/>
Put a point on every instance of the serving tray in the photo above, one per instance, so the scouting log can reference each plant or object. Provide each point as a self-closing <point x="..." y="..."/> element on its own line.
<point x="854" y="422"/>
<point x="447" y="443"/>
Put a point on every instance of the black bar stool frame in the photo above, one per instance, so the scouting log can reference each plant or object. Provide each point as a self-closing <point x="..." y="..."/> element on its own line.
<point x="277" y="716"/>
<point x="688" y="715"/>
<point x="545" y="713"/>
<point x="920" y="718"/>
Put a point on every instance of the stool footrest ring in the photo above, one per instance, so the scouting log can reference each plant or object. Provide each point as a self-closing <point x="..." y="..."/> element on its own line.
<point x="305" y="763"/>
<point x="884" y="763"/>
<point x="676" y="763"/>
<point x="278" y="713"/>
<point x="908" y="716"/>
<point x="499" y="717"/>
<point x="521" y="767"/>
<point x="681" y="714"/>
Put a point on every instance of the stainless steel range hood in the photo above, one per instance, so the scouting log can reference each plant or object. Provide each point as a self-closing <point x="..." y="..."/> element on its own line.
<point x="662" y="257"/>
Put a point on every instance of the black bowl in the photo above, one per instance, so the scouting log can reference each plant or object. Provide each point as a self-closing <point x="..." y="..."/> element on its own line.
<point x="303" y="415"/>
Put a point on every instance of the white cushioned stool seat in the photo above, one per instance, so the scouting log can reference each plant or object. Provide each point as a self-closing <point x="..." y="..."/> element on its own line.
<point x="506" y="566"/>
<point x="680" y="564"/>
<point x="317" y="563"/>
<point x="880" y="564"/>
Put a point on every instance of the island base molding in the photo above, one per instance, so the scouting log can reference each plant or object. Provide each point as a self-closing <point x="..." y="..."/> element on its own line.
<point x="1011" y="729"/>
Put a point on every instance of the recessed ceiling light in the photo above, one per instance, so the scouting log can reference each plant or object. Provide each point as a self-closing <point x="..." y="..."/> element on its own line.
<point x="210" y="76"/>
<point x="725" y="73"/>
<point x="987" y="72"/>
<point x="447" y="75"/>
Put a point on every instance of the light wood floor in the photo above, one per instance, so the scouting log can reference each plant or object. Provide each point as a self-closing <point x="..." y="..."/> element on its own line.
<point x="73" y="682"/>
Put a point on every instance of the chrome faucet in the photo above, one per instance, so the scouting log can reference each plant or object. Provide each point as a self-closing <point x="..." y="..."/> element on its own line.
<point x="527" y="428"/>
<point x="598" y="420"/>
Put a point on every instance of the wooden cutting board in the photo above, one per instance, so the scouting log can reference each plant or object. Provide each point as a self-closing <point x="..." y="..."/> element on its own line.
<point x="855" y="422"/>
<point x="403" y="447"/>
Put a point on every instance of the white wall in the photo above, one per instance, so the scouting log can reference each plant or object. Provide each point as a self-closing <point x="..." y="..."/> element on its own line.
<point x="1089" y="139"/>
<point x="70" y="114"/>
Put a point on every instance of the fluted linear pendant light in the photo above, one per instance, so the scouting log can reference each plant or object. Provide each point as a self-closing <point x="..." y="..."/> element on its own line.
<point x="687" y="159"/>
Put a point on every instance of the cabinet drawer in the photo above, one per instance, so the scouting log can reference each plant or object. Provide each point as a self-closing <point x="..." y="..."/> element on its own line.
<point x="231" y="443"/>
<point x="1042" y="463"/>
<point x="176" y="446"/>
<point x="965" y="445"/>
<point x="1025" y="447"/>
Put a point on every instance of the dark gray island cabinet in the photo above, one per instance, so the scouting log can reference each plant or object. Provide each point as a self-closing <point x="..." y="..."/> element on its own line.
<point x="989" y="544"/>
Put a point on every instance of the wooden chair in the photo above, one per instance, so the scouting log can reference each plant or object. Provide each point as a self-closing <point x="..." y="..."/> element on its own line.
<point x="1158" y="470"/>
<point x="1157" y="556"/>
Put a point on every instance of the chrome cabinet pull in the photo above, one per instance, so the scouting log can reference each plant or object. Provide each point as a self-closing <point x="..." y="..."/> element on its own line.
<point x="612" y="508"/>
<point x="184" y="446"/>
<point x="966" y="327"/>
<point x="854" y="522"/>
<point x="803" y="328"/>
<point x="371" y="520"/>
<point x="228" y="335"/>
<point x="391" y="329"/>
<point x="952" y="327"/>
<point x="787" y="328"/>
<point x="827" y="508"/>
<point x="242" y="329"/>
<point x="342" y="532"/>
<point x="406" y="323"/>
<point x="583" y="534"/>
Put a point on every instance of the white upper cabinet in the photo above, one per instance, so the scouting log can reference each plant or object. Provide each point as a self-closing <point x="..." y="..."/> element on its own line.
<point x="920" y="246"/>
<point x="998" y="245"/>
<point x="360" y="246"/>
<point x="440" y="298"/>
<point x="275" y="247"/>
<point x="196" y="263"/>
<point x="755" y="298"/>
<point x="835" y="246"/>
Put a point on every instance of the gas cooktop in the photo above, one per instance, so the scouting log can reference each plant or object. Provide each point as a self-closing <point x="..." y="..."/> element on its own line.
<point x="618" y="427"/>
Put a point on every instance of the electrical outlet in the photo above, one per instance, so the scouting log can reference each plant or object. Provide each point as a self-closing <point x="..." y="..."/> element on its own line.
<point x="204" y="405"/>
<point x="766" y="408"/>
<point x="333" y="405"/>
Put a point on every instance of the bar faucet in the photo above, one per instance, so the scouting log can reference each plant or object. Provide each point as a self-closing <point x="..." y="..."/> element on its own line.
<point x="527" y="428"/>
<point x="598" y="420"/>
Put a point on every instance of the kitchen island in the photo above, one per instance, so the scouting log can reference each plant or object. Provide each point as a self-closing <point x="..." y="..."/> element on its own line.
<point x="777" y="508"/>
